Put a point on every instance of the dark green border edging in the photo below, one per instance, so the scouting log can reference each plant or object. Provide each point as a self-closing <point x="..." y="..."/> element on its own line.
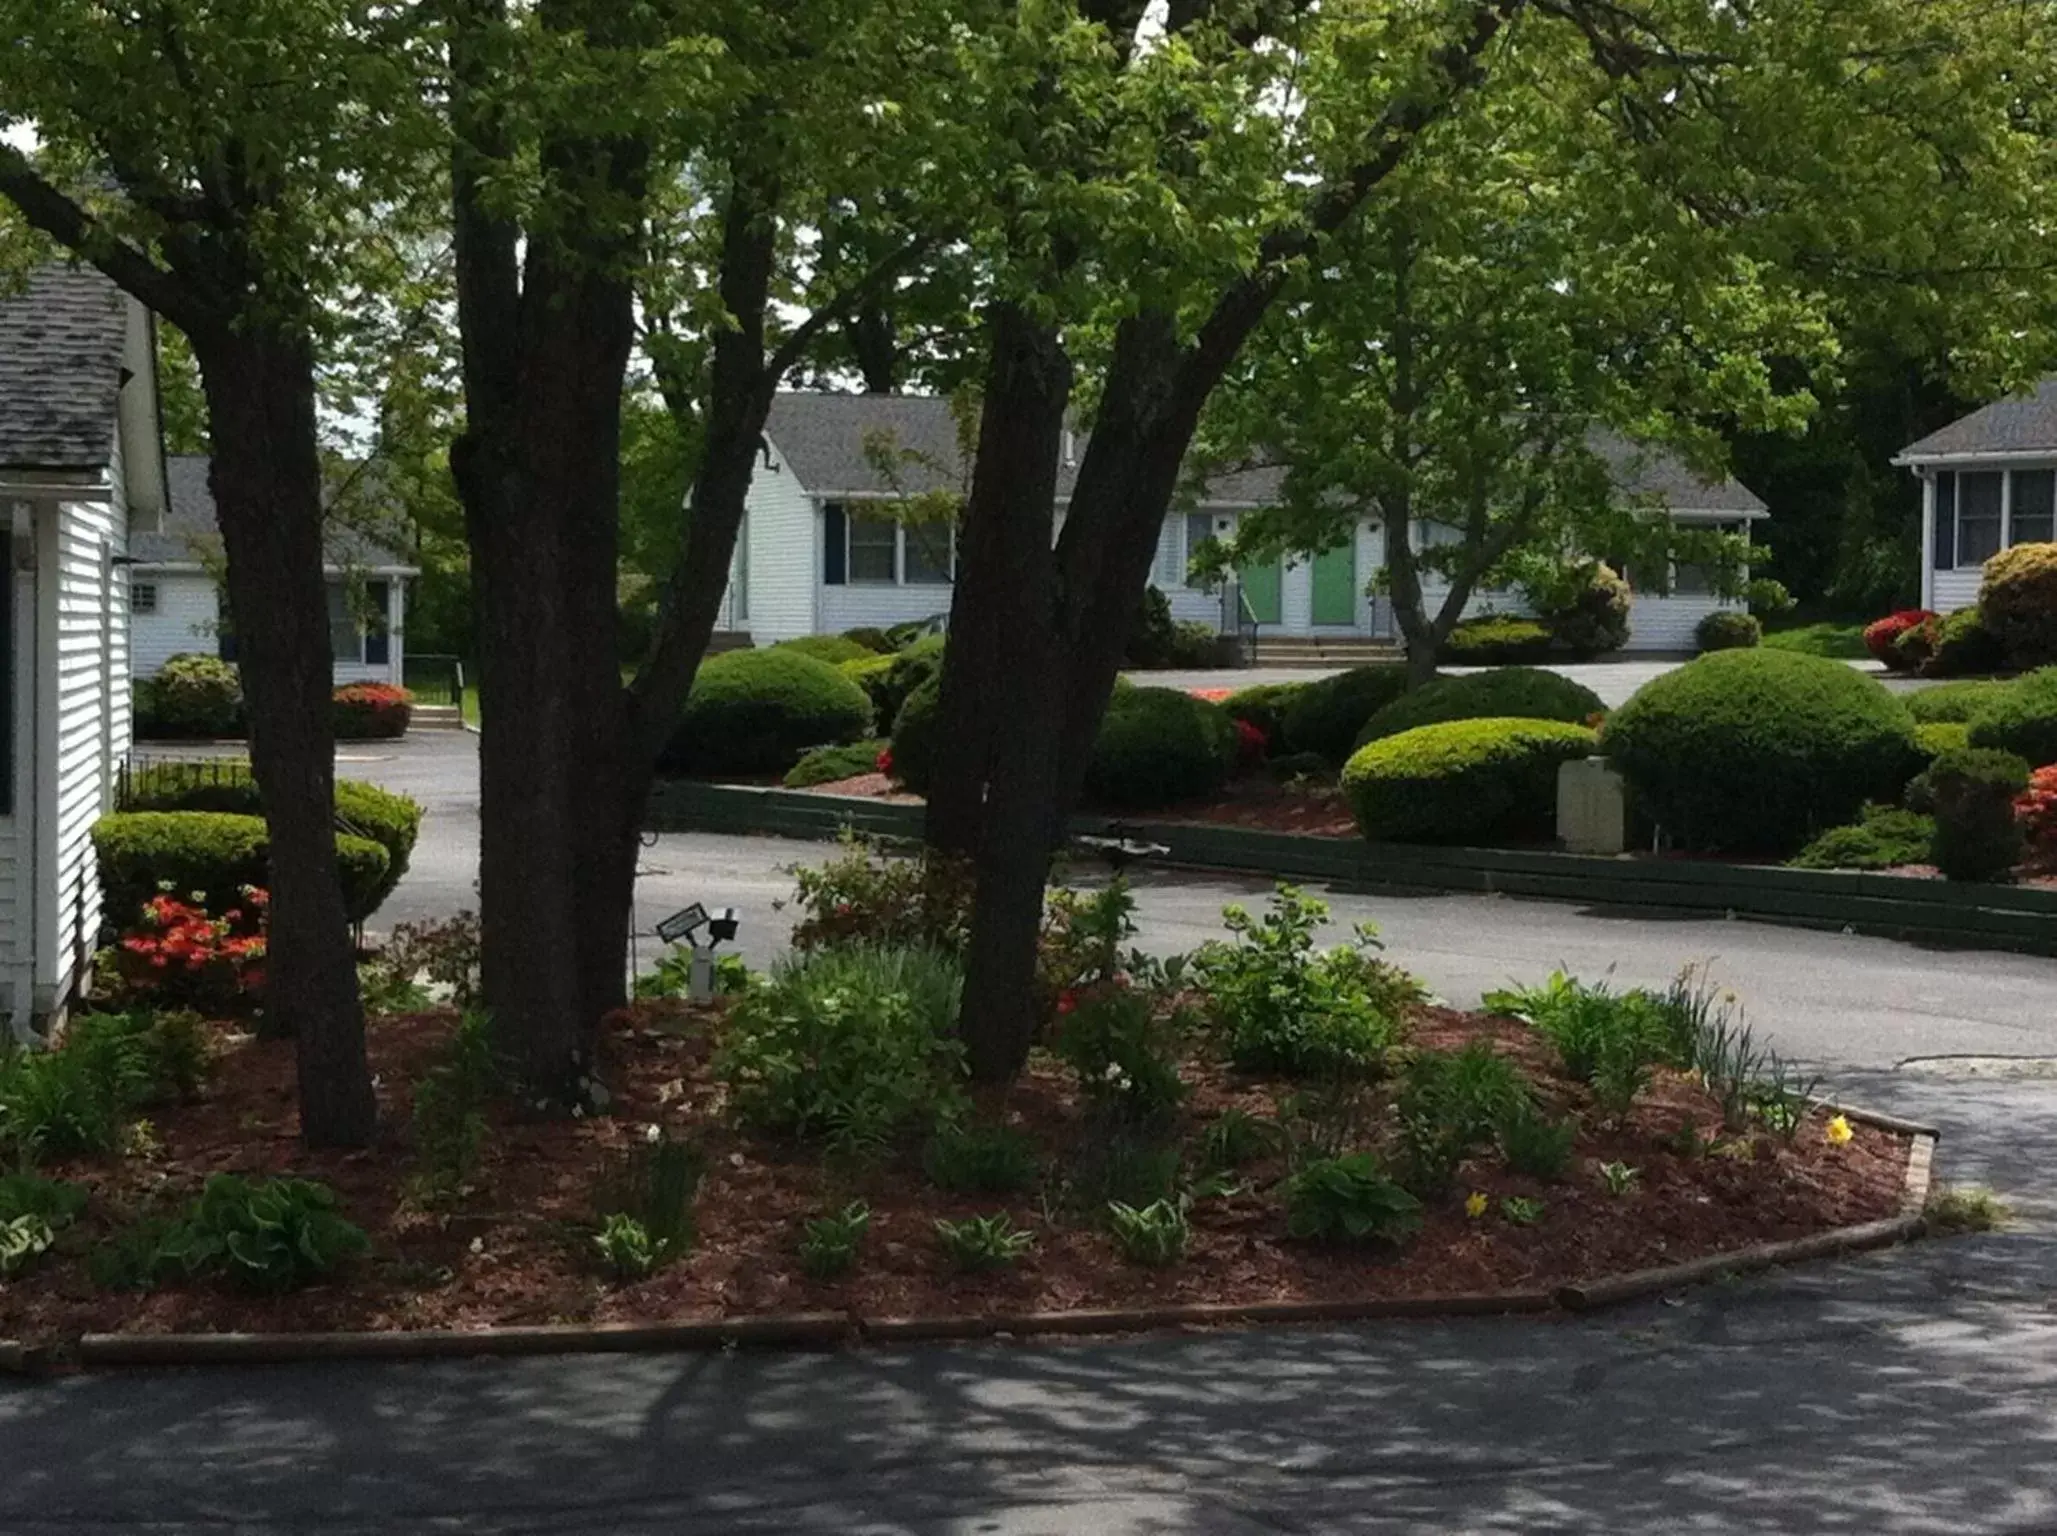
<point x="2023" y="920"/>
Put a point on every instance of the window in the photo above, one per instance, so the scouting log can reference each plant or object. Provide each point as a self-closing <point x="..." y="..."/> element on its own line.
<point x="1978" y="517"/>
<point x="143" y="597"/>
<point x="2034" y="519"/>
<point x="874" y="549"/>
<point x="930" y="554"/>
<point x="1200" y="527"/>
<point x="378" y="639"/>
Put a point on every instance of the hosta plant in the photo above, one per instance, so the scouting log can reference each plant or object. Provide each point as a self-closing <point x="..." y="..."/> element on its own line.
<point x="1349" y="1199"/>
<point x="829" y="1244"/>
<point x="264" y="1234"/>
<point x="982" y="1242"/>
<point x="1154" y="1235"/>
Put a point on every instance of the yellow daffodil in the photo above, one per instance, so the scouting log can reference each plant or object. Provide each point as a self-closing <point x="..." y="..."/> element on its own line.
<point x="1475" y="1204"/>
<point x="1839" y="1131"/>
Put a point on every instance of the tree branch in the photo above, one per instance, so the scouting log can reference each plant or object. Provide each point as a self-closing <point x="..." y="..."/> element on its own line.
<point x="71" y="226"/>
<point x="858" y="294"/>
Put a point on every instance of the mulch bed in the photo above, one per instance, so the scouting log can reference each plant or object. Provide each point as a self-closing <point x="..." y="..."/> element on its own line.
<point x="517" y="1250"/>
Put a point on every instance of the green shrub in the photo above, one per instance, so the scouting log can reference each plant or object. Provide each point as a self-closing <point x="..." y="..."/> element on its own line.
<point x="968" y="1158"/>
<point x="1977" y="835"/>
<point x="1728" y="629"/>
<point x="1960" y="645"/>
<point x="1935" y="737"/>
<point x="914" y="736"/>
<point x="370" y="712"/>
<point x="263" y="1235"/>
<point x="853" y="1044"/>
<point x="1589" y="615"/>
<point x="829" y="1244"/>
<point x="1349" y="1199"/>
<point x="1157" y="747"/>
<point x="1157" y="640"/>
<point x="1124" y="1053"/>
<point x="1264" y="705"/>
<point x="1756" y="751"/>
<point x="890" y="681"/>
<point x="645" y="1201"/>
<point x="33" y="1211"/>
<point x="1882" y="837"/>
<point x="1589" y="1022"/>
<point x="1497" y="640"/>
<point x="2018" y="601"/>
<point x="77" y="1098"/>
<point x="1325" y="717"/>
<point x="872" y="639"/>
<point x="1524" y="693"/>
<point x="1951" y="703"/>
<point x="1235" y="1138"/>
<point x="1533" y="1143"/>
<point x="757" y="711"/>
<point x="831" y="765"/>
<point x="192" y="695"/>
<point x="213" y="852"/>
<point x="1449" y="1104"/>
<point x="1464" y="780"/>
<point x="834" y="650"/>
<point x="2021" y="718"/>
<point x="867" y="897"/>
<point x="362" y="810"/>
<point x="1279" y="1007"/>
<point x="450" y="1103"/>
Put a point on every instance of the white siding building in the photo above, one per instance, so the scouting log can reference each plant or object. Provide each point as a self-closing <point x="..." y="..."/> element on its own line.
<point x="1988" y="483"/>
<point x="822" y="552"/>
<point x="81" y="463"/>
<point x="174" y="592"/>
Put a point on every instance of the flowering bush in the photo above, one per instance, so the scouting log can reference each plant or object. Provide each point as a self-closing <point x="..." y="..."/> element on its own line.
<point x="1124" y="1052"/>
<point x="180" y="953"/>
<point x="884" y="761"/>
<point x="2036" y="809"/>
<point x="365" y="711"/>
<point x="1880" y="637"/>
<point x="1251" y="745"/>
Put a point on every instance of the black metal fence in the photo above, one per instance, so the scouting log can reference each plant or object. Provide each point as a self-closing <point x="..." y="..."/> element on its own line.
<point x="146" y="776"/>
<point x="434" y="679"/>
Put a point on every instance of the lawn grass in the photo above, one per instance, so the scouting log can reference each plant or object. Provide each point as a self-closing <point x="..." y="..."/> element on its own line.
<point x="471" y="704"/>
<point x="1840" y="642"/>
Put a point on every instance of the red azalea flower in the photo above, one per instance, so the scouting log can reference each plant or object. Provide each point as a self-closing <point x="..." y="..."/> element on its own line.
<point x="1067" y="1001"/>
<point x="884" y="762"/>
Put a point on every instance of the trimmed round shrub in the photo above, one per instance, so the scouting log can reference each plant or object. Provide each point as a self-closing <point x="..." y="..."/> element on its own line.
<point x="1883" y="837"/>
<point x="758" y="711"/>
<point x="1882" y="636"/>
<point x="1497" y="642"/>
<point x="362" y="810"/>
<point x="830" y="765"/>
<point x="1595" y="620"/>
<point x="1955" y="702"/>
<point x="1264" y="705"/>
<point x="1977" y="835"/>
<point x="1728" y="629"/>
<point x="1935" y="737"/>
<point x="890" y="680"/>
<point x="192" y="695"/>
<point x="2018" y="600"/>
<point x="833" y="649"/>
<point x="914" y="735"/>
<point x="215" y="853"/>
<point x="1324" y="717"/>
<point x="371" y="711"/>
<point x="2021" y="717"/>
<point x="1158" y="746"/>
<point x="876" y="641"/>
<point x="1463" y="780"/>
<point x="1756" y="751"/>
<point x="1959" y="645"/>
<point x="1524" y="693"/>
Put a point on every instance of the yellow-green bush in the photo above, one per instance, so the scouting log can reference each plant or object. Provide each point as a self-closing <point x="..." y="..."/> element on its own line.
<point x="1463" y="780"/>
<point x="2017" y="600"/>
<point x="215" y="853"/>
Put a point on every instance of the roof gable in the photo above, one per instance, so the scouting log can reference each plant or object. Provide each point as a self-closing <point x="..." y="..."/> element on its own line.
<point x="1657" y="472"/>
<point x="2019" y="424"/>
<point x="61" y="349"/>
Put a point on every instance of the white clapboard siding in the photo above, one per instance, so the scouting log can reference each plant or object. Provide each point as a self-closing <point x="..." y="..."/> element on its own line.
<point x="878" y="605"/>
<point x="784" y="565"/>
<point x="185" y="620"/>
<point x="1956" y="589"/>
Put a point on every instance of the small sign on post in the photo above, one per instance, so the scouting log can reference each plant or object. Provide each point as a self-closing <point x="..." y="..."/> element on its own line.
<point x="682" y="923"/>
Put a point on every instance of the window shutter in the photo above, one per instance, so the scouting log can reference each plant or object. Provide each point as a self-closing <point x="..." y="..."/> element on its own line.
<point x="1945" y="555"/>
<point x="7" y="687"/>
<point x="835" y="547"/>
<point x="378" y="645"/>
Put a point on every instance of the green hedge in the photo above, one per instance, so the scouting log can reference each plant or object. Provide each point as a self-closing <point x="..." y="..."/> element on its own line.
<point x="2021" y="717"/>
<point x="362" y="810"/>
<point x="1497" y="640"/>
<point x="193" y="695"/>
<point x="1728" y="629"/>
<point x="828" y="765"/>
<point x="756" y="712"/>
<point x="1264" y="705"/>
<point x="1158" y="746"/>
<point x="832" y="649"/>
<point x="214" y="853"/>
<point x="1954" y="702"/>
<point x="1977" y="835"/>
<point x="1959" y="644"/>
<point x="1525" y="693"/>
<point x="888" y="681"/>
<point x="1324" y="717"/>
<point x="1759" y="750"/>
<point x="1463" y="780"/>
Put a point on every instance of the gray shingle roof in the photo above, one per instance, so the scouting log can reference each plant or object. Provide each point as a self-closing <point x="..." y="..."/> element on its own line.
<point x="60" y="370"/>
<point x="2019" y="424"/>
<point x="1656" y="471"/>
<point x="190" y="532"/>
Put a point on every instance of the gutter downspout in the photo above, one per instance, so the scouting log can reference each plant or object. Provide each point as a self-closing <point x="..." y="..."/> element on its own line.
<point x="26" y="622"/>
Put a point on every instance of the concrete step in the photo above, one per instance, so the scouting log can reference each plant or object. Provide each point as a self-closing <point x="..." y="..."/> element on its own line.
<point x="436" y="717"/>
<point x="1324" y="651"/>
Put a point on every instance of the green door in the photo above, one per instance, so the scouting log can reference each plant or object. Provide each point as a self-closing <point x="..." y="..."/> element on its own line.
<point x="1335" y="585"/>
<point x="1261" y="591"/>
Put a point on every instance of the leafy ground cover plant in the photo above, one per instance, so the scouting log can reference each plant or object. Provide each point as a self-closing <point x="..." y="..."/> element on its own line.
<point x="33" y="1210"/>
<point x="1533" y="1143"/>
<point x="79" y="1097"/>
<point x="1618" y="1177"/>
<point x="646" y="1204"/>
<point x="1449" y="1104"/>
<point x="1349" y="1199"/>
<point x="1235" y="1138"/>
<point x="450" y="1103"/>
<point x="1279" y="1006"/>
<point x="853" y="1044"/>
<point x="979" y="1243"/>
<point x="262" y="1235"/>
<point x="1521" y="1210"/>
<point x="1123" y="1049"/>
<point x="971" y="1158"/>
<point x="829" y="1244"/>
<point x="1154" y="1235"/>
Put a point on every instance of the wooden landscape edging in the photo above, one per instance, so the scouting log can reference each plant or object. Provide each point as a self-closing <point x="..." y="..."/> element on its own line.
<point x="2023" y="920"/>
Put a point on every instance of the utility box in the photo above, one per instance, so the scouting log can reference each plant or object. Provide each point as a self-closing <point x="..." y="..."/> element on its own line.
<point x="1592" y="807"/>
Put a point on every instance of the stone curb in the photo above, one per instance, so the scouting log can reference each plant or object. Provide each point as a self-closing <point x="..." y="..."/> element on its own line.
<point x="834" y="1330"/>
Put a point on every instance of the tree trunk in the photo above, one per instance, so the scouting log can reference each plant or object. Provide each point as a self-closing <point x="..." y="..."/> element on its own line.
<point x="266" y="479"/>
<point x="1006" y="779"/>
